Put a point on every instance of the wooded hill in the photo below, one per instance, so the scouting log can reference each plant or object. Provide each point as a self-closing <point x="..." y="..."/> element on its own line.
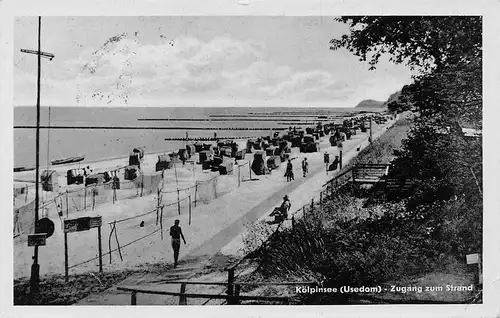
<point x="370" y="103"/>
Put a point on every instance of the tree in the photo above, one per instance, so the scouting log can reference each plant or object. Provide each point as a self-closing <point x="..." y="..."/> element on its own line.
<point x="427" y="43"/>
<point x="447" y="51"/>
<point x="446" y="96"/>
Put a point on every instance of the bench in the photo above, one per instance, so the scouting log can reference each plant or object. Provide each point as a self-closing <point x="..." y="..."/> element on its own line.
<point x="369" y="173"/>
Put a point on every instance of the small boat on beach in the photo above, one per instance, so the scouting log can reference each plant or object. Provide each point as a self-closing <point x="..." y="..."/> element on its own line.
<point x="20" y="169"/>
<point x="68" y="160"/>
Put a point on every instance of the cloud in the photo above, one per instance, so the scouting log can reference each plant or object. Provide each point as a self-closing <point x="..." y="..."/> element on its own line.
<point x="126" y="71"/>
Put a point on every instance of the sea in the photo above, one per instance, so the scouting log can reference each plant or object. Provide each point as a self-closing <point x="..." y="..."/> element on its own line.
<point x="101" y="144"/>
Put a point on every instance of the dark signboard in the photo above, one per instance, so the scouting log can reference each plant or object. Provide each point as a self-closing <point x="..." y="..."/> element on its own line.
<point x="37" y="239"/>
<point x="82" y="224"/>
<point x="46" y="226"/>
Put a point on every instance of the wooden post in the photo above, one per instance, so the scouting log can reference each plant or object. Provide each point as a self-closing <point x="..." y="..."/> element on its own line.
<point x="158" y="207"/>
<point x="194" y="171"/>
<point x="480" y="270"/>
<point x="109" y="241"/>
<point x="195" y="193"/>
<point x="163" y="178"/>
<point x="100" y="248"/>
<point x="175" y="169"/>
<point x="93" y="197"/>
<point x="215" y="188"/>
<point x="239" y="168"/>
<point x="178" y="203"/>
<point x="182" y="297"/>
<point x="161" y="223"/>
<point x="118" y="243"/>
<point x="340" y="160"/>
<point x="133" y="298"/>
<point x="230" y="285"/>
<point x="321" y="200"/>
<point x="142" y="183"/>
<point x="190" y="209"/>
<point x="236" y="294"/>
<point x="85" y="198"/>
<point x="371" y="136"/>
<point x="66" y="269"/>
<point x="114" y="195"/>
<point x="67" y="203"/>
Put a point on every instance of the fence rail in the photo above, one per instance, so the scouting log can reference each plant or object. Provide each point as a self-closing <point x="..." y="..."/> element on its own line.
<point x="328" y="190"/>
<point x="232" y="296"/>
<point x="231" y="299"/>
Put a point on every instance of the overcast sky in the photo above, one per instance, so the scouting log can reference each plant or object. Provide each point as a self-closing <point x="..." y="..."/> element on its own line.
<point x="196" y="61"/>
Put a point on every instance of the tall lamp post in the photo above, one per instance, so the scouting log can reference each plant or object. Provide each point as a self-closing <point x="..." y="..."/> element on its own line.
<point x="371" y="130"/>
<point x="35" y="268"/>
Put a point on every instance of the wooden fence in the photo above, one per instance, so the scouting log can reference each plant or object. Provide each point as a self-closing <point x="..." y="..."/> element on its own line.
<point x="232" y="295"/>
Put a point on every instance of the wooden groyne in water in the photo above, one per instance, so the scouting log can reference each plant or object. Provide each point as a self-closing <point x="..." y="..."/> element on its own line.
<point x="214" y="119"/>
<point x="148" y="128"/>
<point x="209" y="138"/>
<point x="271" y="116"/>
<point x="310" y="122"/>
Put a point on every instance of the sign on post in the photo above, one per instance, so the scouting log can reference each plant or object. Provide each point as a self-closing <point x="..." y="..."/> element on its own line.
<point x="38" y="239"/>
<point x="79" y="225"/>
<point x="478" y="272"/>
<point x="45" y="226"/>
<point x="82" y="224"/>
<point x="472" y="259"/>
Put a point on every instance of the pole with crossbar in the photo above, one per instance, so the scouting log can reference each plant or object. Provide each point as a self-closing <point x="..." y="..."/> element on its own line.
<point x="35" y="268"/>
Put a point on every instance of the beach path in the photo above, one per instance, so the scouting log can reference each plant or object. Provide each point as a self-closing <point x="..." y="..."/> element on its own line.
<point x="215" y="233"/>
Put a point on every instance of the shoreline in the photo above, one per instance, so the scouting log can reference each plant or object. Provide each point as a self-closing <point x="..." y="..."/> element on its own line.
<point x="211" y="219"/>
<point x="83" y="162"/>
<point x="226" y="237"/>
<point x="124" y="156"/>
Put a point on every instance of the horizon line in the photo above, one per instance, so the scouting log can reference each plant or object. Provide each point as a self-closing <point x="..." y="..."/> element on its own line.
<point x="140" y="106"/>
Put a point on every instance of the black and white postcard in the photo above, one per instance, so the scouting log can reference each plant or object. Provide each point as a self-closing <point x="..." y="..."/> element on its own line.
<point x="240" y="154"/>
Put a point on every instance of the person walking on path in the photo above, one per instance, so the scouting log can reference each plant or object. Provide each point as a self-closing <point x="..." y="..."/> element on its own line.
<point x="289" y="171"/>
<point x="182" y="155"/>
<point x="326" y="160"/>
<point x="305" y="167"/>
<point x="176" y="234"/>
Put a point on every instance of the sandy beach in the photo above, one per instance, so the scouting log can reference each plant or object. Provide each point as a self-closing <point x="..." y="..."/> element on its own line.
<point x="217" y="225"/>
<point x="220" y="226"/>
